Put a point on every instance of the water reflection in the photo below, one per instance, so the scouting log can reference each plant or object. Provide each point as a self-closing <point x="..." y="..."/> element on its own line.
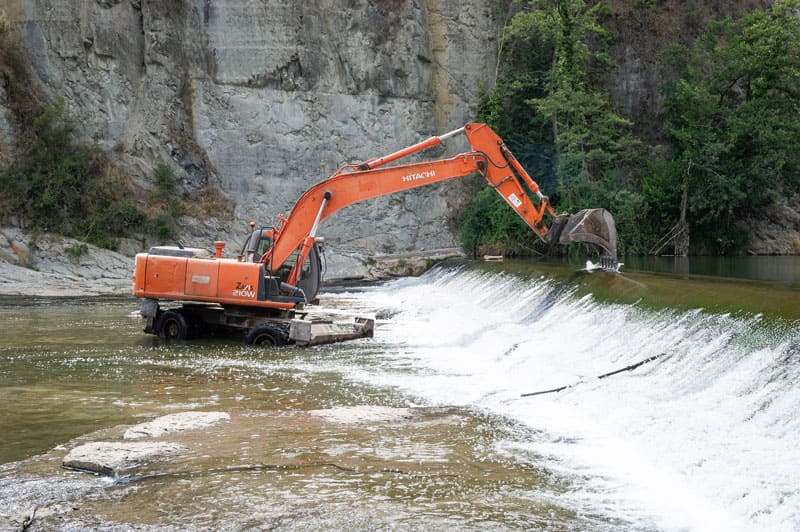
<point x="762" y="268"/>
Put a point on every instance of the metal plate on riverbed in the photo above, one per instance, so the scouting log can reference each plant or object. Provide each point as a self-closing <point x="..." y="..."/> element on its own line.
<point x="317" y="332"/>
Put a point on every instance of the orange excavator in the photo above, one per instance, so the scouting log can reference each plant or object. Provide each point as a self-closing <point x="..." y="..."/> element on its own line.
<point x="263" y="292"/>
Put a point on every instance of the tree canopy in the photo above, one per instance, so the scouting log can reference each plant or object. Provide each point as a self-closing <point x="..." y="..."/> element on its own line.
<point x="731" y="116"/>
<point x="734" y="120"/>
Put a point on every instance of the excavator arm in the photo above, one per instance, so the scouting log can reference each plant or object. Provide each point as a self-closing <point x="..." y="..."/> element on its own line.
<point x="489" y="156"/>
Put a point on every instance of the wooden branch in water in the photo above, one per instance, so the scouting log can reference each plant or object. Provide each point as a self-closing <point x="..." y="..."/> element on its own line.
<point x="630" y="367"/>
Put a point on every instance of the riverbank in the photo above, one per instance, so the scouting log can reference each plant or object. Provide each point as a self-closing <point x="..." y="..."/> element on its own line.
<point x="54" y="266"/>
<point x="51" y="266"/>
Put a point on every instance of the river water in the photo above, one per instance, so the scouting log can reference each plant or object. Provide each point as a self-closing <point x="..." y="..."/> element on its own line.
<point x="705" y="436"/>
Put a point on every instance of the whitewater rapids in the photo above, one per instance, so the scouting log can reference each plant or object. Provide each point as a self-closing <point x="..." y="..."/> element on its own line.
<point x="706" y="437"/>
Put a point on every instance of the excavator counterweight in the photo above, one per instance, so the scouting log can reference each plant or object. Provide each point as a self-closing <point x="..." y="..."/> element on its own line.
<point x="278" y="271"/>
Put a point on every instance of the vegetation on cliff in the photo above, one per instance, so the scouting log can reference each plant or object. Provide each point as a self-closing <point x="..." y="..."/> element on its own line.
<point x="60" y="185"/>
<point x="731" y="117"/>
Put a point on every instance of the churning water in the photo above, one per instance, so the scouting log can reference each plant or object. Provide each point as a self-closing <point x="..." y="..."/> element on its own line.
<point x="705" y="437"/>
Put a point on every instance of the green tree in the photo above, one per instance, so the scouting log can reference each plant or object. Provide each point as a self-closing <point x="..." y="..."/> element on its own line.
<point x="549" y="106"/>
<point x="489" y="225"/>
<point x="524" y="63"/>
<point x="593" y="149"/>
<point x="734" y="120"/>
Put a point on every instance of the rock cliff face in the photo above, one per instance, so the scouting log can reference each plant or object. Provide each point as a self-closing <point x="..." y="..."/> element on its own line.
<point x="262" y="98"/>
<point x="644" y="31"/>
<point x="7" y="131"/>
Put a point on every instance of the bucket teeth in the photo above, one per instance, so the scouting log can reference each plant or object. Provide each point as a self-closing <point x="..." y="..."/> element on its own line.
<point x="592" y="226"/>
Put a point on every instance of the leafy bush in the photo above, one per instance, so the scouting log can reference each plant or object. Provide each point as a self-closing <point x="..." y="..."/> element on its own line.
<point x="77" y="250"/>
<point x="54" y="181"/>
<point x="58" y="185"/>
<point x="488" y="225"/>
<point x="162" y="226"/>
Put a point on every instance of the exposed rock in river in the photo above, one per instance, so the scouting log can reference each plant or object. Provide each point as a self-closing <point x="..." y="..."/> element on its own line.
<point x="113" y="458"/>
<point x="363" y="414"/>
<point x="175" y="423"/>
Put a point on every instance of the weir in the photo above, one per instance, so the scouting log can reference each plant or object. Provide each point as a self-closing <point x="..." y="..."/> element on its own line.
<point x="687" y="440"/>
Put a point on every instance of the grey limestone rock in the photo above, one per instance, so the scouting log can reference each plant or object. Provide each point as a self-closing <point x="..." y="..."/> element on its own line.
<point x="113" y="458"/>
<point x="263" y="99"/>
<point x="172" y="423"/>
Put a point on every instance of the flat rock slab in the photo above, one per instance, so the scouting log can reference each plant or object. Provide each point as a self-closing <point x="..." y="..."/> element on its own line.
<point x="172" y="423"/>
<point x="111" y="458"/>
<point x="363" y="414"/>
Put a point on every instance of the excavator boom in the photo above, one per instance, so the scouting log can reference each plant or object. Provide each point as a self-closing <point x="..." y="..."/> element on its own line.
<point x="489" y="156"/>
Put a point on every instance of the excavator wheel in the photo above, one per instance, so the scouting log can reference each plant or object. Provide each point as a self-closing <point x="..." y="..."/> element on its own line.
<point x="172" y="325"/>
<point x="266" y="335"/>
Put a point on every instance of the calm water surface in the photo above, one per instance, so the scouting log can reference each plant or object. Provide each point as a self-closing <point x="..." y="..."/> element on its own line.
<point x="687" y="442"/>
<point x="760" y="268"/>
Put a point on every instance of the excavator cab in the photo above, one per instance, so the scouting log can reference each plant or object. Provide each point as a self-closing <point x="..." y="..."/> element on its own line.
<point x="260" y="241"/>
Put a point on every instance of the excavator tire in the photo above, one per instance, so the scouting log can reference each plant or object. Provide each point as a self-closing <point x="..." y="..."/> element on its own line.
<point x="172" y="325"/>
<point x="266" y="335"/>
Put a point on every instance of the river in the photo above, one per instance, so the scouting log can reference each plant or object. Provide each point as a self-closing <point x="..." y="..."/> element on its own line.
<point x="705" y="435"/>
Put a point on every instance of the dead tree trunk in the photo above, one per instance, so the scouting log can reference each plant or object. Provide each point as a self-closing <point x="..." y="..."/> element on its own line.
<point x="681" y="240"/>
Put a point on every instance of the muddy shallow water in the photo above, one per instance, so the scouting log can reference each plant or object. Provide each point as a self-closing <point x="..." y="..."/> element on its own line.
<point x="74" y="371"/>
<point x="423" y="426"/>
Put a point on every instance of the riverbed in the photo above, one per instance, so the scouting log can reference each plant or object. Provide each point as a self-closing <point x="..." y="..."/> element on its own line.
<point x="702" y="437"/>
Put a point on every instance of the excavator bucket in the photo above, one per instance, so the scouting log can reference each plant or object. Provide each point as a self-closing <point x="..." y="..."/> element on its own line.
<point x="593" y="226"/>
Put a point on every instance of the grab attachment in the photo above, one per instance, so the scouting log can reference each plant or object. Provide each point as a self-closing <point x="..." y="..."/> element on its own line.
<point x="592" y="226"/>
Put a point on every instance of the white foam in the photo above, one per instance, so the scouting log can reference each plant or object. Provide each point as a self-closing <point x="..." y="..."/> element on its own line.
<point x="706" y="438"/>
